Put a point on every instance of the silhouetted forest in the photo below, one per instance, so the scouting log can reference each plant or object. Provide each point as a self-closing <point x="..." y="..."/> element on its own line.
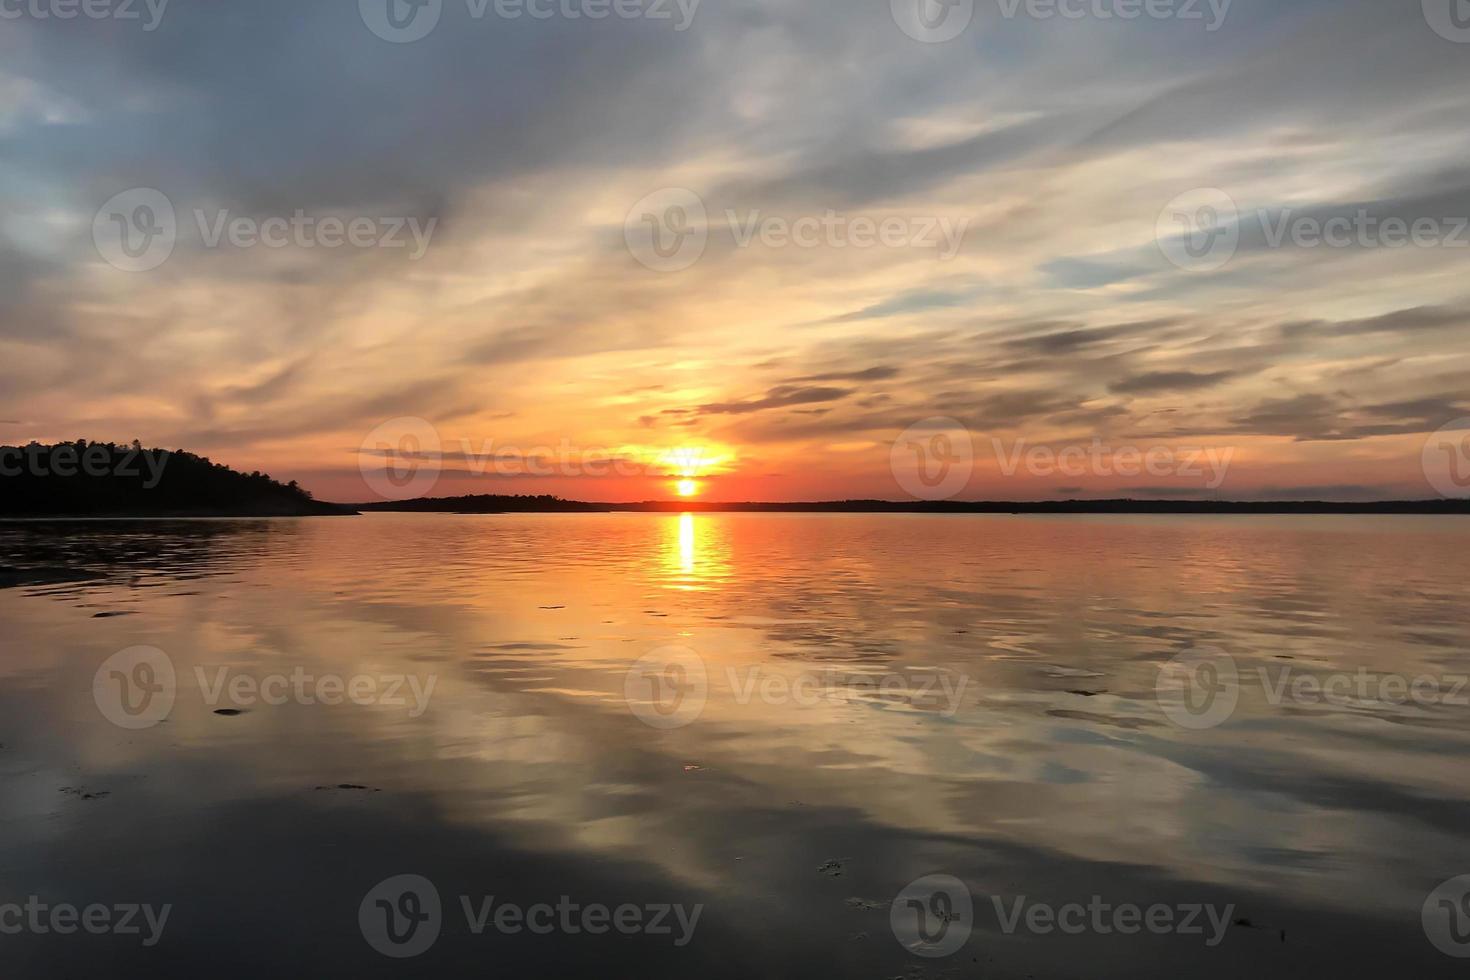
<point x="100" y="479"/>
<point x="487" y="504"/>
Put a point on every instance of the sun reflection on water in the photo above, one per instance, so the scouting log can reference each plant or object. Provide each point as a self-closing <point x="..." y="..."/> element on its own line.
<point x="695" y="554"/>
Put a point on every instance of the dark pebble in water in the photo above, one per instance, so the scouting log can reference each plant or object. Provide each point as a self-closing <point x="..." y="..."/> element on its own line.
<point x="79" y="794"/>
<point x="553" y="607"/>
<point x="229" y="712"/>
<point x="833" y="868"/>
<point x="1087" y="694"/>
<point x="352" y="786"/>
<point x="865" y="905"/>
<point x="111" y="615"/>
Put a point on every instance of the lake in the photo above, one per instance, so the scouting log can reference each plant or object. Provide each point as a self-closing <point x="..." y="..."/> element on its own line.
<point x="735" y="745"/>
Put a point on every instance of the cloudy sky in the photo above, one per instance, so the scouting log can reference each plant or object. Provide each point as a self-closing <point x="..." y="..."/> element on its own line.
<point x="771" y="236"/>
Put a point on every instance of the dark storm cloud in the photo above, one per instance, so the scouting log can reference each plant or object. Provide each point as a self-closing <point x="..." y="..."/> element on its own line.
<point x="1076" y="339"/>
<point x="882" y="372"/>
<point x="1156" y="382"/>
<point x="1409" y="322"/>
<point x="782" y="396"/>
<point x="1329" y="418"/>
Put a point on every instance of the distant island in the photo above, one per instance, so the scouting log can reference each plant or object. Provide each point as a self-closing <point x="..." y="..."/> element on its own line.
<point x="496" y="504"/>
<point x="486" y="504"/>
<point x="103" y="479"/>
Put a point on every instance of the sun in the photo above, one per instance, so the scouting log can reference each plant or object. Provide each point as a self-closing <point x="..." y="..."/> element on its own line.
<point x="687" y="488"/>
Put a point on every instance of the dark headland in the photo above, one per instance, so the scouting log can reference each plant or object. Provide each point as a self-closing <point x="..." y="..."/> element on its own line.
<point x="102" y="479"/>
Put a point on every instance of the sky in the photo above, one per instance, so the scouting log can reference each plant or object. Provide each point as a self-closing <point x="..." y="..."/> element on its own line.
<point x="746" y="249"/>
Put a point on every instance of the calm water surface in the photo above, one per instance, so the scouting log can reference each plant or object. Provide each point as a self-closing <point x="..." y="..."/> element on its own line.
<point x="821" y="710"/>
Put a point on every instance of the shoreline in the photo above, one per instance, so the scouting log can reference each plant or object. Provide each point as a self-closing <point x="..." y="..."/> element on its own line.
<point x="493" y="506"/>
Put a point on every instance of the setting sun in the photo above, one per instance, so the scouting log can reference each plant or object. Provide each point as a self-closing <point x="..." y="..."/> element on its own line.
<point x="687" y="488"/>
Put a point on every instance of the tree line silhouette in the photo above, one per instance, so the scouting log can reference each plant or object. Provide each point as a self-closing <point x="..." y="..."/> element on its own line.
<point x="103" y="479"/>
